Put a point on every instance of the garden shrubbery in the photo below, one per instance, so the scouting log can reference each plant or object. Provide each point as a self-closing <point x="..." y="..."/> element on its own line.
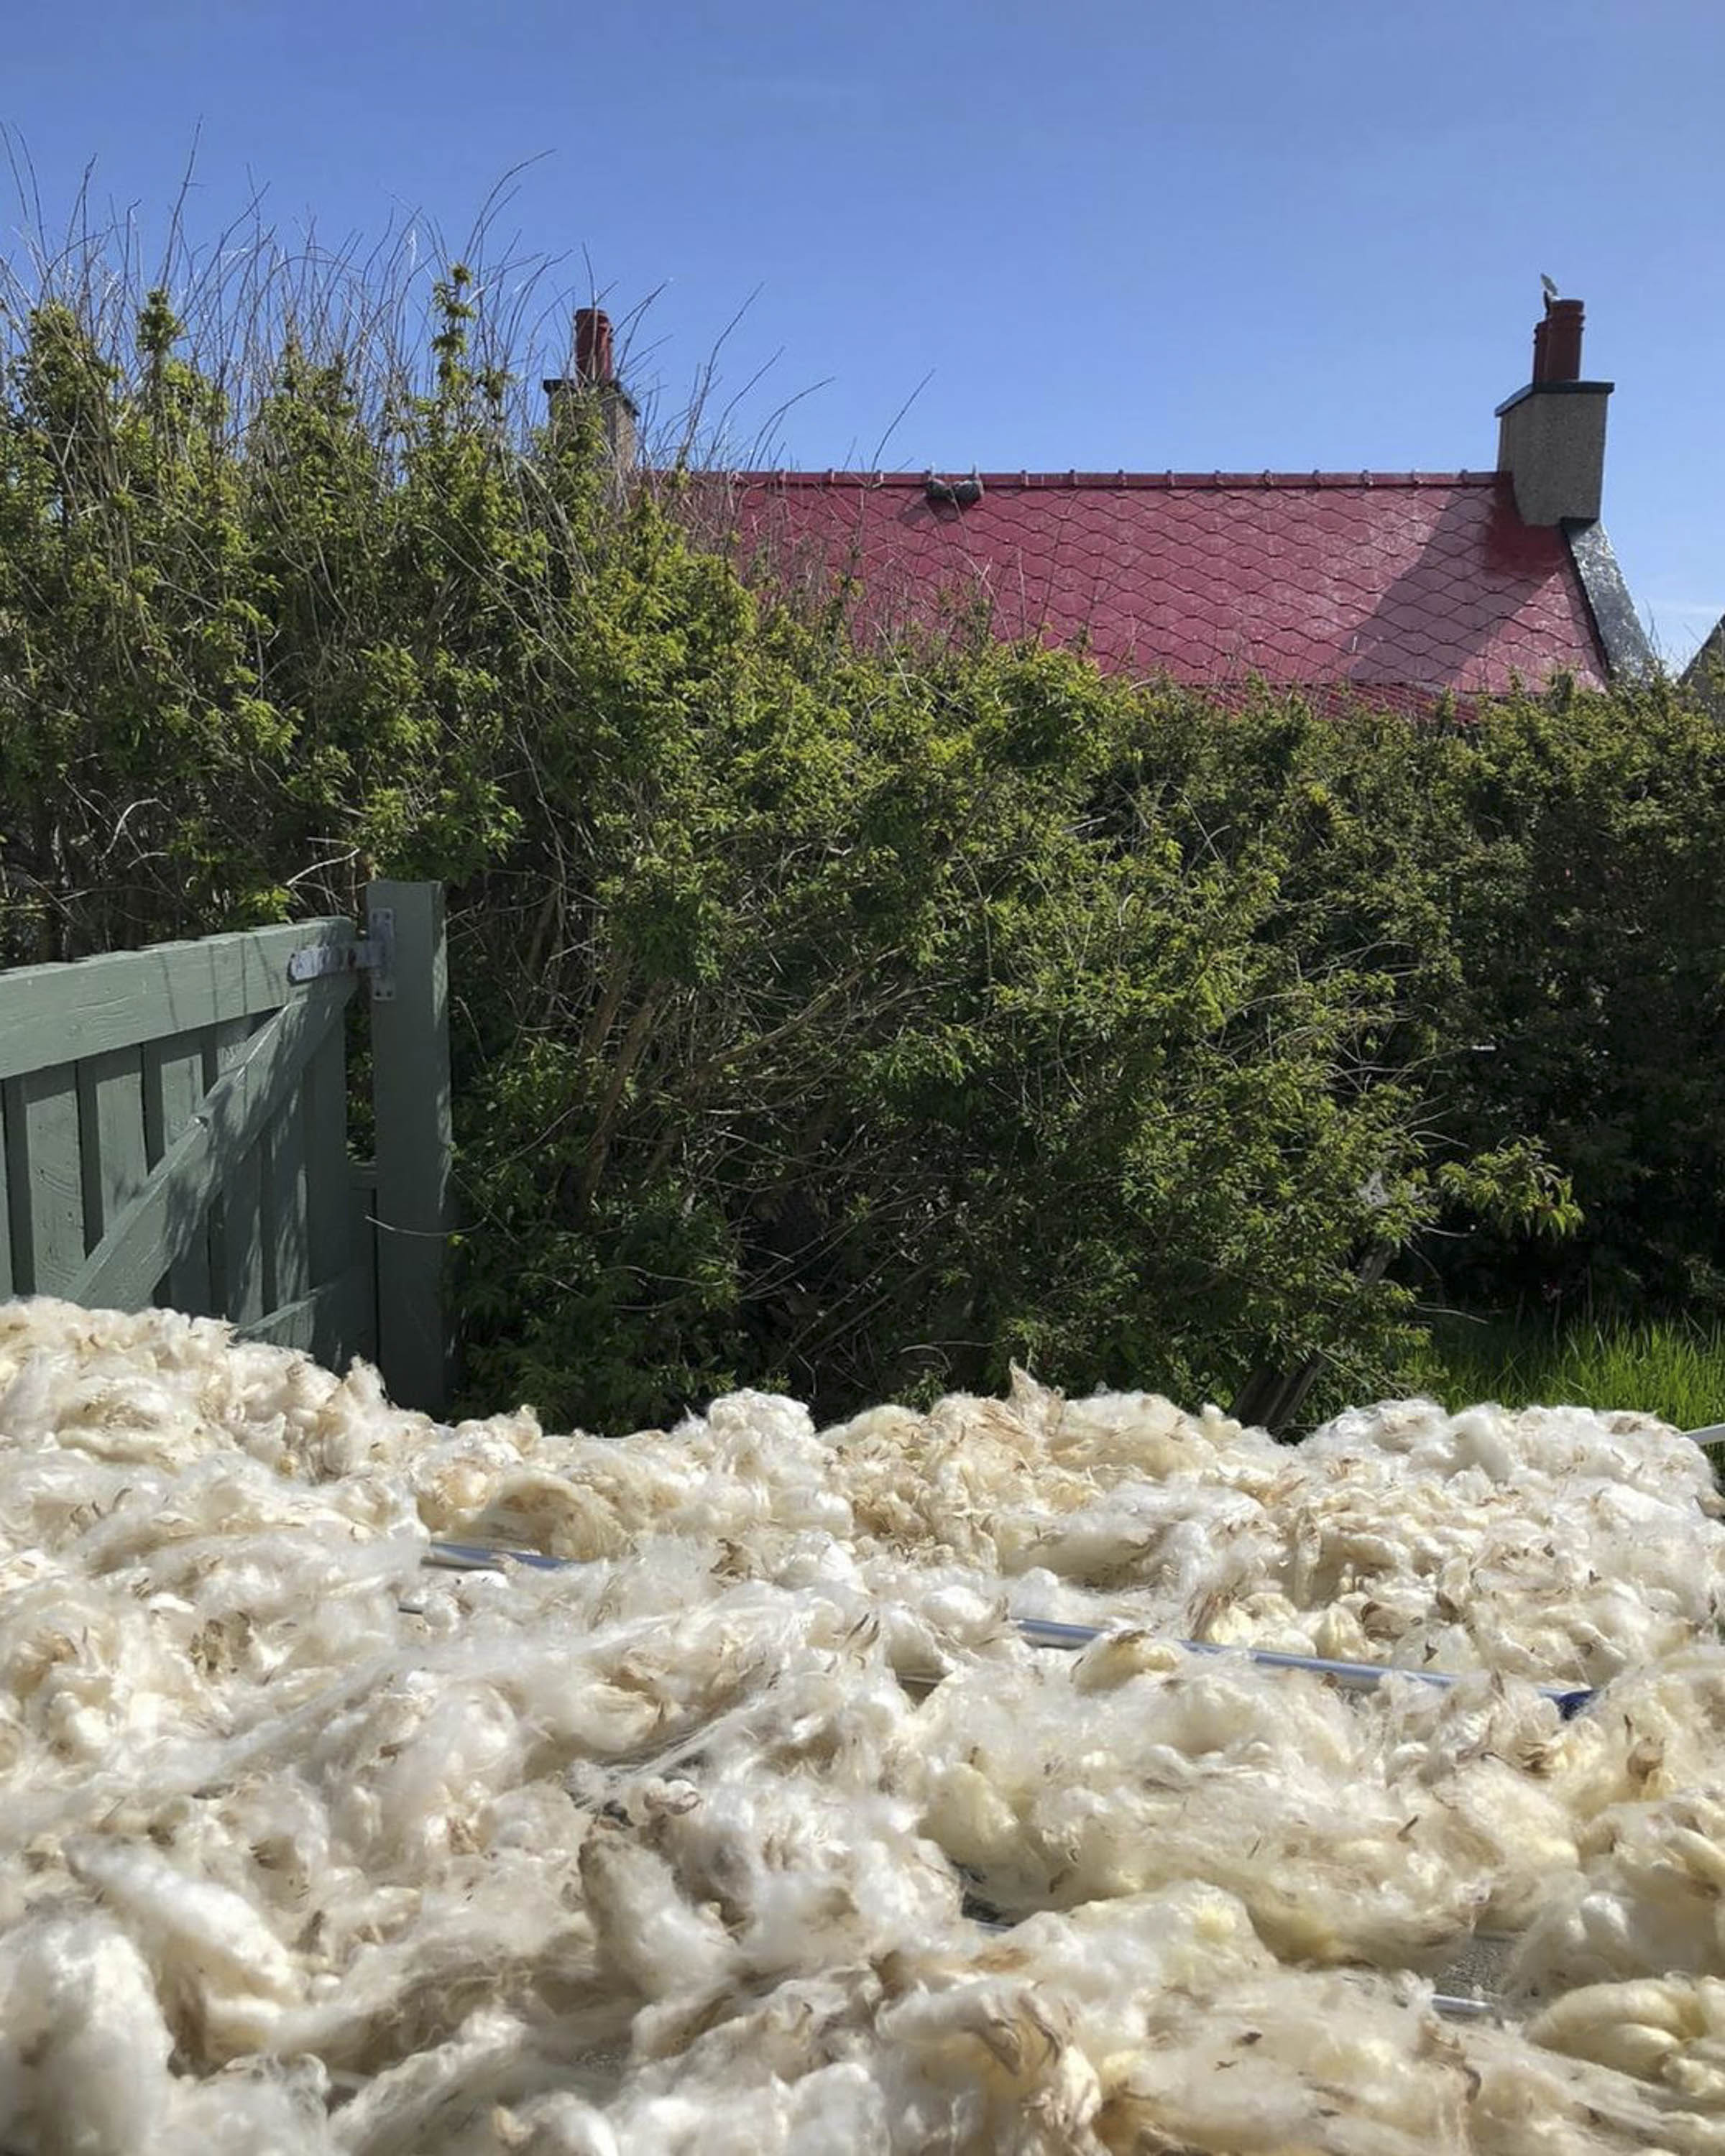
<point x="854" y="1020"/>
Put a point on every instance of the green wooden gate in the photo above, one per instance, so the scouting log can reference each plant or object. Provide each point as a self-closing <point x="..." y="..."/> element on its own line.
<point x="173" y="1130"/>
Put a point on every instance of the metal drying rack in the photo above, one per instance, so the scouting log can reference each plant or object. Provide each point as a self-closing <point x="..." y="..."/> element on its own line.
<point x="1045" y="1632"/>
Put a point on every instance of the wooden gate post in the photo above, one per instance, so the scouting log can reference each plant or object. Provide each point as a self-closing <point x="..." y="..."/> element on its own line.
<point x="410" y="1090"/>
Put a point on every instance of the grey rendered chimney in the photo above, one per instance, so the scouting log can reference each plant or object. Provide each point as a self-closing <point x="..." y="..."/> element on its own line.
<point x="595" y="376"/>
<point x="1551" y="436"/>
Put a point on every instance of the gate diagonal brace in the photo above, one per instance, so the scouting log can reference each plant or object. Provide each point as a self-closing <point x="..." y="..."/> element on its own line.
<point x="373" y="953"/>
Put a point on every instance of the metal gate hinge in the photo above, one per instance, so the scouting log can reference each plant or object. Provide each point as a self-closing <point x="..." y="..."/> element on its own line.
<point x="373" y="954"/>
<point x="380" y="942"/>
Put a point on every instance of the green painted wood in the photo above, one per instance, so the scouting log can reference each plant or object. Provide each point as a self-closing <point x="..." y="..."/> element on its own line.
<point x="44" y="1181"/>
<point x="211" y="1228"/>
<point x="236" y="1218"/>
<point x="215" y="1156"/>
<point x="362" y="1200"/>
<point x="154" y="1230"/>
<point x="173" y="1085"/>
<point x="112" y="1142"/>
<point x="54" y="1014"/>
<point x="330" y="1243"/>
<point x="316" y="1322"/>
<point x="6" y="1288"/>
<point x="287" y="1265"/>
<point x="410" y="1087"/>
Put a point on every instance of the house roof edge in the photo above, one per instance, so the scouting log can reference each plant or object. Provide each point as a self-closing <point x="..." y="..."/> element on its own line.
<point x="1629" y="656"/>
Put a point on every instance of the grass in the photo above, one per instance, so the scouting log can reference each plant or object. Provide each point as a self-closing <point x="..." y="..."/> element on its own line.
<point x="1666" y="1368"/>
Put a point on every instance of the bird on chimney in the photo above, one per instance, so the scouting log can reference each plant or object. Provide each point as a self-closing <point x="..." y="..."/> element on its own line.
<point x="1549" y="289"/>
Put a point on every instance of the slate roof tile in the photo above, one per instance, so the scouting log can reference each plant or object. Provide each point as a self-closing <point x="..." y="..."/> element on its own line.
<point x="1427" y="582"/>
<point x="1421" y="582"/>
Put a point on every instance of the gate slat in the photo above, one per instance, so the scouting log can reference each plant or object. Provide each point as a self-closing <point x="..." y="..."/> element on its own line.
<point x="410" y="1086"/>
<point x="287" y="1268"/>
<point x="6" y="1286"/>
<point x="46" y="1186"/>
<point x="240" y="1281"/>
<point x="363" y="1230"/>
<point x="110" y="1117"/>
<point x="173" y="1086"/>
<point x="329" y="1239"/>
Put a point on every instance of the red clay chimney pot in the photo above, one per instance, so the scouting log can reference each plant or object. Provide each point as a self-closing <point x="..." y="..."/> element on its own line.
<point x="1563" y="325"/>
<point x="593" y="359"/>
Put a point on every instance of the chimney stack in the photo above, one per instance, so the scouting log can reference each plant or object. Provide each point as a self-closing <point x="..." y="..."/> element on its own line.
<point x="595" y="376"/>
<point x="1551" y="437"/>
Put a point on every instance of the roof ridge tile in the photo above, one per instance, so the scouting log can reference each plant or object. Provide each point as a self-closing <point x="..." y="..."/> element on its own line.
<point x="1075" y="480"/>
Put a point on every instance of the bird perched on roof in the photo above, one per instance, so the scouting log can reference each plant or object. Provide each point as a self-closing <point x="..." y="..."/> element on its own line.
<point x="1546" y="285"/>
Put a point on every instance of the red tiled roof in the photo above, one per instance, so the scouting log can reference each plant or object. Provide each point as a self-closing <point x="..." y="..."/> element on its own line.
<point x="1418" y="584"/>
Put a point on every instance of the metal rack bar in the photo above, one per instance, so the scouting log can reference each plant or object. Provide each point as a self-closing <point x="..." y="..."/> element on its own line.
<point x="1046" y="1632"/>
<point x="1355" y="1677"/>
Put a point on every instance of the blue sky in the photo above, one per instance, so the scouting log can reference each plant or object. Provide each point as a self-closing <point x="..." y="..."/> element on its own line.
<point x="1240" y="235"/>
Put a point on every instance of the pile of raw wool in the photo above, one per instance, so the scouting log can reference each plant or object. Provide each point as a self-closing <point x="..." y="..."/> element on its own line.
<point x="757" y="1827"/>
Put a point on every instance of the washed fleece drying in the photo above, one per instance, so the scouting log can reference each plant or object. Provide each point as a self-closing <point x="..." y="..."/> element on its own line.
<point x="759" y="1827"/>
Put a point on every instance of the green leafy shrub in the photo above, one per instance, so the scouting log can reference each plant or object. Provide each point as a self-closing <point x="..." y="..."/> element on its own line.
<point x="1590" y="914"/>
<point x="852" y="1019"/>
